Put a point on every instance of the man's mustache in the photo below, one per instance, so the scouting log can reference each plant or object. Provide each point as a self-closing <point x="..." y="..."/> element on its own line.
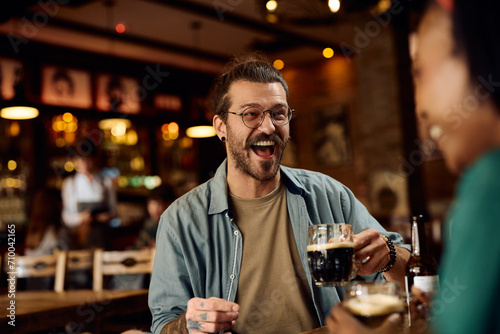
<point x="263" y="137"/>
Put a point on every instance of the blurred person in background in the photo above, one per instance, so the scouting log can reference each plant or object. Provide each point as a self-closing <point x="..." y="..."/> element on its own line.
<point x="43" y="232"/>
<point x="44" y="224"/>
<point x="456" y="68"/>
<point x="158" y="201"/>
<point x="89" y="202"/>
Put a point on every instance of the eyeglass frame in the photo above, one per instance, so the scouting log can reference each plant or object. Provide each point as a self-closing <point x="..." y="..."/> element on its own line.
<point x="270" y="111"/>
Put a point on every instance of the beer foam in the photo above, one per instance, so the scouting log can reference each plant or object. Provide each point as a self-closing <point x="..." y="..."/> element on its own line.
<point x="374" y="305"/>
<point x="320" y="247"/>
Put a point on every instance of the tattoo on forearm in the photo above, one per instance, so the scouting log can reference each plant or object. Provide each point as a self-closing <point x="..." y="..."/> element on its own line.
<point x="192" y="324"/>
<point x="176" y="327"/>
<point x="203" y="316"/>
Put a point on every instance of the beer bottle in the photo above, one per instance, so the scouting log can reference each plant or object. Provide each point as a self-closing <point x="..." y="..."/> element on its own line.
<point x="421" y="270"/>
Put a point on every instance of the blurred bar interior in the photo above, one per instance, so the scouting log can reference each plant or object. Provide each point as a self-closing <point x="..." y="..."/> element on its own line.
<point x="132" y="77"/>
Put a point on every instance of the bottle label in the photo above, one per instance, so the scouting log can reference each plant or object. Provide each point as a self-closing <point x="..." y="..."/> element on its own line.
<point x="426" y="283"/>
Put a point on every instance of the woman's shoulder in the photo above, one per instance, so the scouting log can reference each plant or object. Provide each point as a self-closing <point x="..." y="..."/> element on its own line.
<point x="484" y="172"/>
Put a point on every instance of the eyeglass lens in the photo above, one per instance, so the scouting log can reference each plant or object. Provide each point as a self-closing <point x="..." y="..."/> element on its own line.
<point x="253" y="117"/>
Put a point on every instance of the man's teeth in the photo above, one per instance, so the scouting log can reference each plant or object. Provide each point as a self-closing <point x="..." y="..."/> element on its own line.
<point x="265" y="143"/>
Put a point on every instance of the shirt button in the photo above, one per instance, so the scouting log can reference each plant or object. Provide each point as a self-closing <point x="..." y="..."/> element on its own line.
<point x="236" y="232"/>
<point x="232" y="277"/>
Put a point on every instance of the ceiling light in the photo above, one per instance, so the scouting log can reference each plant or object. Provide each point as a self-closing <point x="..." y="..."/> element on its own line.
<point x="201" y="131"/>
<point x="271" y="5"/>
<point x="120" y="28"/>
<point x="334" y="5"/>
<point x="19" y="112"/>
<point x="119" y="129"/>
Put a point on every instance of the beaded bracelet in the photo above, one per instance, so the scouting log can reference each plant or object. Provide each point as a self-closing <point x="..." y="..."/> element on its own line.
<point x="392" y="254"/>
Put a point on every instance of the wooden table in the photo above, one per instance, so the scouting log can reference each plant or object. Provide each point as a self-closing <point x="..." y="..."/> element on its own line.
<point x="40" y="310"/>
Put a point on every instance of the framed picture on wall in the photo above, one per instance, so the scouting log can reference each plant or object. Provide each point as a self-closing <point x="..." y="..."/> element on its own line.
<point x="117" y="93"/>
<point x="331" y="136"/>
<point x="68" y="87"/>
<point x="11" y="78"/>
<point x="168" y="102"/>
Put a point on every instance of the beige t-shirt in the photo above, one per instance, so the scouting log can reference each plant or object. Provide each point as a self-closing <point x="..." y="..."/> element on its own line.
<point x="273" y="293"/>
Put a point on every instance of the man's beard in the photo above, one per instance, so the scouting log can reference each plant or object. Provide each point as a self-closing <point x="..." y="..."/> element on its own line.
<point x="243" y="161"/>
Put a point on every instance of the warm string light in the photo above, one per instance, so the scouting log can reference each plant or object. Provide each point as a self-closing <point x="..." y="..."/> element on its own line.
<point x="137" y="163"/>
<point x="170" y="131"/>
<point x="272" y="18"/>
<point x="138" y="181"/>
<point x="64" y="129"/>
<point x="383" y="6"/>
<point x="69" y="166"/>
<point x="328" y="52"/>
<point x="11" y="165"/>
<point x="120" y="129"/>
<point x="14" y="129"/>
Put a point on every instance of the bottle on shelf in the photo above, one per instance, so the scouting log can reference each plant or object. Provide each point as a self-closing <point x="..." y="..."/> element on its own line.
<point x="421" y="270"/>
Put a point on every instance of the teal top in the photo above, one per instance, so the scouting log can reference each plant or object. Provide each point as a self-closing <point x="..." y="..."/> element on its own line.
<point x="469" y="296"/>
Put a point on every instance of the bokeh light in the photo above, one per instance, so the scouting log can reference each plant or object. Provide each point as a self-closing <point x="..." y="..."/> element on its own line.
<point x="278" y="64"/>
<point x="328" y="52"/>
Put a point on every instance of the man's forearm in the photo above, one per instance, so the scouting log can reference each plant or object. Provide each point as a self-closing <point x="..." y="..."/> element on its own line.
<point x="177" y="326"/>
<point x="397" y="272"/>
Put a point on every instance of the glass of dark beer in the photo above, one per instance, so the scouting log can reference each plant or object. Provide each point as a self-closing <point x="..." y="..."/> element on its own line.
<point x="330" y="252"/>
<point x="371" y="303"/>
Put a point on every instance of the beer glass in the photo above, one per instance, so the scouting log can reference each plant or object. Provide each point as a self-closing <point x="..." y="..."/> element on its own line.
<point x="371" y="303"/>
<point x="330" y="252"/>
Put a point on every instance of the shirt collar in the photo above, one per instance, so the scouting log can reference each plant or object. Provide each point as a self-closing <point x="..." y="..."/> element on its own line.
<point x="219" y="200"/>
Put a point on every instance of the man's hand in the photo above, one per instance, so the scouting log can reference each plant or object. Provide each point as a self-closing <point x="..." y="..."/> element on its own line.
<point x="370" y="249"/>
<point x="210" y="315"/>
<point x="372" y="253"/>
<point x="341" y="321"/>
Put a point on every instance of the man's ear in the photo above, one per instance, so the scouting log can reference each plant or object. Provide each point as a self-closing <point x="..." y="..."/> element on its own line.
<point x="219" y="126"/>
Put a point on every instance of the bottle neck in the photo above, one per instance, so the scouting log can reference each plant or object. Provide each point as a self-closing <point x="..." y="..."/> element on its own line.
<point x="418" y="242"/>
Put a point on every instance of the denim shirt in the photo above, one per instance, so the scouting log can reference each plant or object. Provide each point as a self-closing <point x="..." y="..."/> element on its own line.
<point x="199" y="247"/>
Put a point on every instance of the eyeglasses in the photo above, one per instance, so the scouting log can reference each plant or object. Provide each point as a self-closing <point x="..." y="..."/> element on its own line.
<point x="253" y="117"/>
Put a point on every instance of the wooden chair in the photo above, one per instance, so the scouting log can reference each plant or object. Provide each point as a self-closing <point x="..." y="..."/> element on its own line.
<point x="79" y="262"/>
<point x="79" y="259"/>
<point x="39" y="266"/>
<point x="121" y="263"/>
